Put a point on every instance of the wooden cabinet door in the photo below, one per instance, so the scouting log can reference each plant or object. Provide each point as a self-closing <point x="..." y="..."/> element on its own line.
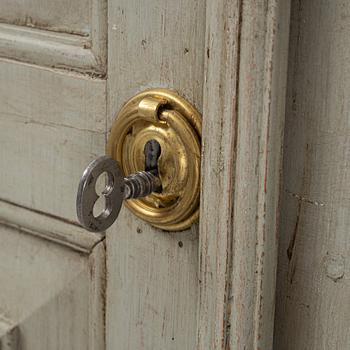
<point x="66" y="68"/>
<point x="212" y="286"/>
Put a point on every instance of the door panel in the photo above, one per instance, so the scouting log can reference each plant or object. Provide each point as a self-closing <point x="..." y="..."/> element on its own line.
<point x="51" y="125"/>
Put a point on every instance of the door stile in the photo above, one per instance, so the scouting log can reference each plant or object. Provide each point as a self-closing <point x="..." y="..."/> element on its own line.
<point x="243" y="120"/>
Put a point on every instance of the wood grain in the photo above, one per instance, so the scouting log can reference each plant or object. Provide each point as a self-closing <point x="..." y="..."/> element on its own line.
<point x="218" y="174"/>
<point x="313" y="310"/>
<point x="152" y="275"/>
<point x="243" y="114"/>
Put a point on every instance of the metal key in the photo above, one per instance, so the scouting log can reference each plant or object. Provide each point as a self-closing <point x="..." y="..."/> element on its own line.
<point x="117" y="189"/>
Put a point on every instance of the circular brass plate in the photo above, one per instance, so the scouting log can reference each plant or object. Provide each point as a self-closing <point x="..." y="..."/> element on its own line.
<point x="164" y="116"/>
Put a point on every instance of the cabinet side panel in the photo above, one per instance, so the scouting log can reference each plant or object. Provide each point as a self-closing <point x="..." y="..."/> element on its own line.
<point x="313" y="310"/>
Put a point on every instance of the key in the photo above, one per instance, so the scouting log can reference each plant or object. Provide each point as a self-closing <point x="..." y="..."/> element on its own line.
<point x="118" y="188"/>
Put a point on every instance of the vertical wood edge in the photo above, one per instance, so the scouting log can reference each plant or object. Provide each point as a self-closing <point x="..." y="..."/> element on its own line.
<point x="218" y="155"/>
<point x="97" y="295"/>
<point x="99" y="35"/>
<point x="270" y="164"/>
<point x="243" y="118"/>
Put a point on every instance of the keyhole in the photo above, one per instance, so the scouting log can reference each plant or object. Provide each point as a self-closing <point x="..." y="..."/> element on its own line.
<point x="152" y="153"/>
<point x="103" y="186"/>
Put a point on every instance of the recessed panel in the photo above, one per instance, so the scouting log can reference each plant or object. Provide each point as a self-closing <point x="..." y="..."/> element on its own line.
<point x="51" y="125"/>
<point x="69" y="16"/>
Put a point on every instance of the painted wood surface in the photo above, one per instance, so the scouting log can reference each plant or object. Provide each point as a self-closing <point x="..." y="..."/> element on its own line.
<point x="313" y="309"/>
<point x="47" y="48"/>
<point x="226" y="57"/>
<point x="243" y="115"/>
<point x="51" y="125"/>
<point x="48" y="227"/>
<point x="152" y="285"/>
<point x="61" y="16"/>
<point x="56" y="42"/>
<point x="50" y="293"/>
<point x="9" y="334"/>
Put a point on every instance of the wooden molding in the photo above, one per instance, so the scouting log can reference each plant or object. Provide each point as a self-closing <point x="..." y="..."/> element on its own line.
<point x="243" y="118"/>
<point x="48" y="227"/>
<point x="85" y="54"/>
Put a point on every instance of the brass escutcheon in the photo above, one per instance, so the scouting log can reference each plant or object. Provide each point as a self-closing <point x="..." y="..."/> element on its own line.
<point x="164" y="116"/>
